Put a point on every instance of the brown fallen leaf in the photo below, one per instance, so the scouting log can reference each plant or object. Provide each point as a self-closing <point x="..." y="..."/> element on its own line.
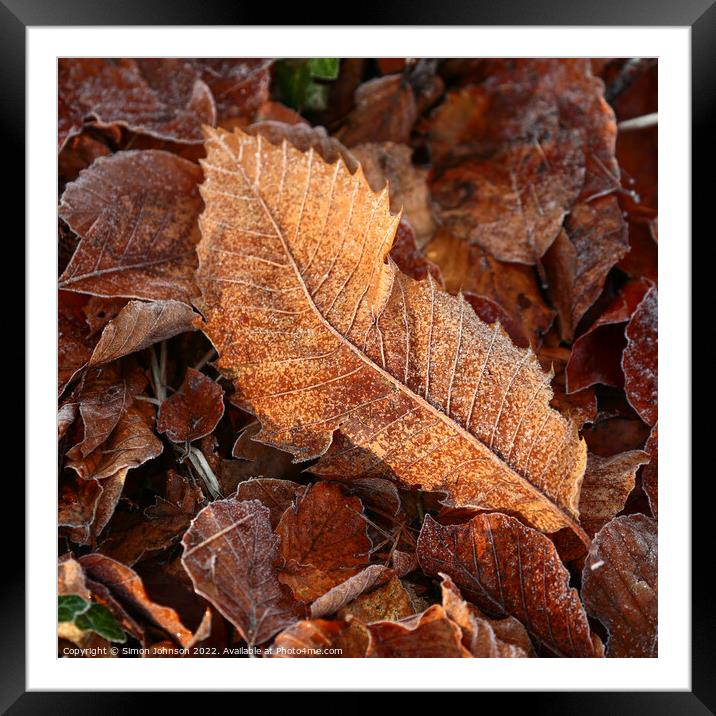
<point x="194" y="410"/>
<point x="640" y="358"/>
<point x="581" y="406"/>
<point x="323" y="541"/>
<point x="139" y="325"/>
<point x="409" y="258"/>
<point x="229" y="553"/>
<point x="650" y="474"/>
<point x="277" y="495"/>
<point x="105" y="395"/>
<point x="385" y="111"/>
<point x="597" y="354"/>
<point x="127" y="586"/>
<point x="642" y="261"/>
<point x="431" y="634"/>
<point x="511" y="205"/>
<point x="336" y="598"/>
<point x="163" y="98"/>
<point x="484" y="638"/>
<point x="239" y="86"/>
<point x="620" y="586"/>
<point x="74" y="340"/>
<point x="76" y="508"/>
<point x="468" y="414"/>
<point x="508" y="569"/>
<point x="131" y="444"/>
<point x="136" y="213"/>
<point x="577" y="263"/>
<point x="391" y="163"/>
<point x="512" y="287"/>
<point x="389" y="602"/>
<point x="608" y="481"/>
<point x="582" y="107"/>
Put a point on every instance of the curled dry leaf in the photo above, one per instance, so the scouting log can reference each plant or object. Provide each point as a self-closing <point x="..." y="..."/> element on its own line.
<point x="431" y="634"/>
<point x="282" y="285"/>
<point x="229" y="553"/>
<point x="86" y="506"/>
<point x="127" y="586"/>
<point x="484" y="638"/>
<point x="74" y="340"/>
<point x="640" y="358"/>
<point x="138" y="325"/>
<point x="391" y="163"/>
<point x="163" y="98"/>
<point x="136" y="213"/>
<point x="597" y="354"/>
<point x="608" y="481"/>
<point x="105" y="395"/>
<point x="512" y="287"/>
<point x="508" y="569"/>
<point x="650" y="474"/>
<point x="336" y="598"/>
<point x="239" y="86"/>
<point x="131" y="443"/>
<point x="194" y="410"/>
<point x="620" y="585"/>
<point x="277" y="495"/>
<point x="577" y="263"/>
<point x="512" y="205"/>
<point x="323" y="541"/>
<point x="385" y="111"/>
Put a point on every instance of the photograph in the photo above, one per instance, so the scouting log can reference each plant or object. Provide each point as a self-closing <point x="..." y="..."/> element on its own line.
<point x="357" y="357"/>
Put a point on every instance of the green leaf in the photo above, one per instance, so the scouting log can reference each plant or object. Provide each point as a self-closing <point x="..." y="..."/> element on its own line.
<point x="89" y="617"/>
<point x="325" y="68"/>
<point x="296" y="83"/>
<point x="100" y="619"/>
<point x="69" y="606"/>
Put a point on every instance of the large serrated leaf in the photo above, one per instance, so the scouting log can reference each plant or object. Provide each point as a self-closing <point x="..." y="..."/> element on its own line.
<point x="322" y="333"/>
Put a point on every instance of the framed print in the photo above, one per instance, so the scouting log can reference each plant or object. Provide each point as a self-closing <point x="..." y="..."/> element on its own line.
<point x="350" y="349"/>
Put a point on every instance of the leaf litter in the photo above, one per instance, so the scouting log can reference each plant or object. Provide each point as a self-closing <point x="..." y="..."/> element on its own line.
<point x="357" y="358"/>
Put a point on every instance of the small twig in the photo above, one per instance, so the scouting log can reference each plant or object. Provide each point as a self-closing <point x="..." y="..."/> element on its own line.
<point x="646" y="120"/>
<point x="147" y="399"/>
<point x="420" y="507"/>
<point x="209" y="355"/>
<point x="157" y="377"/>
<point x="197" y="459"/>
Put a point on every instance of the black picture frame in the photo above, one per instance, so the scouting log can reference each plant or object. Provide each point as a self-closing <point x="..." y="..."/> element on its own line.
<point x="699" y="15"/>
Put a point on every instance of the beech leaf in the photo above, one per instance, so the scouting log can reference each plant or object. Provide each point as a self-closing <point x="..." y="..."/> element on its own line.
<point x="136" y="215"/>
<point x="229" y="553"/>
<point x="508" y="569"/>
<point x="620" y="585"/>
<point x="640" y="358"/>
<point x="194" y="410"/>
<point x="323" y="541"/>
<point x="293" y="274"/>
<point x="163" y="98"/>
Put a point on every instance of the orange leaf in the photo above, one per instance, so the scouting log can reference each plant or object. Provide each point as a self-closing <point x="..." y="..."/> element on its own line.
<point x="320" y="333"/>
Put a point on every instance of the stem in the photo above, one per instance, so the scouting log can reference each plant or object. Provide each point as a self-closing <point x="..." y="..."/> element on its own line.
<point x="209" y="355"/>
<point x="646" y="120"/>
<point x="197" y="459"/>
